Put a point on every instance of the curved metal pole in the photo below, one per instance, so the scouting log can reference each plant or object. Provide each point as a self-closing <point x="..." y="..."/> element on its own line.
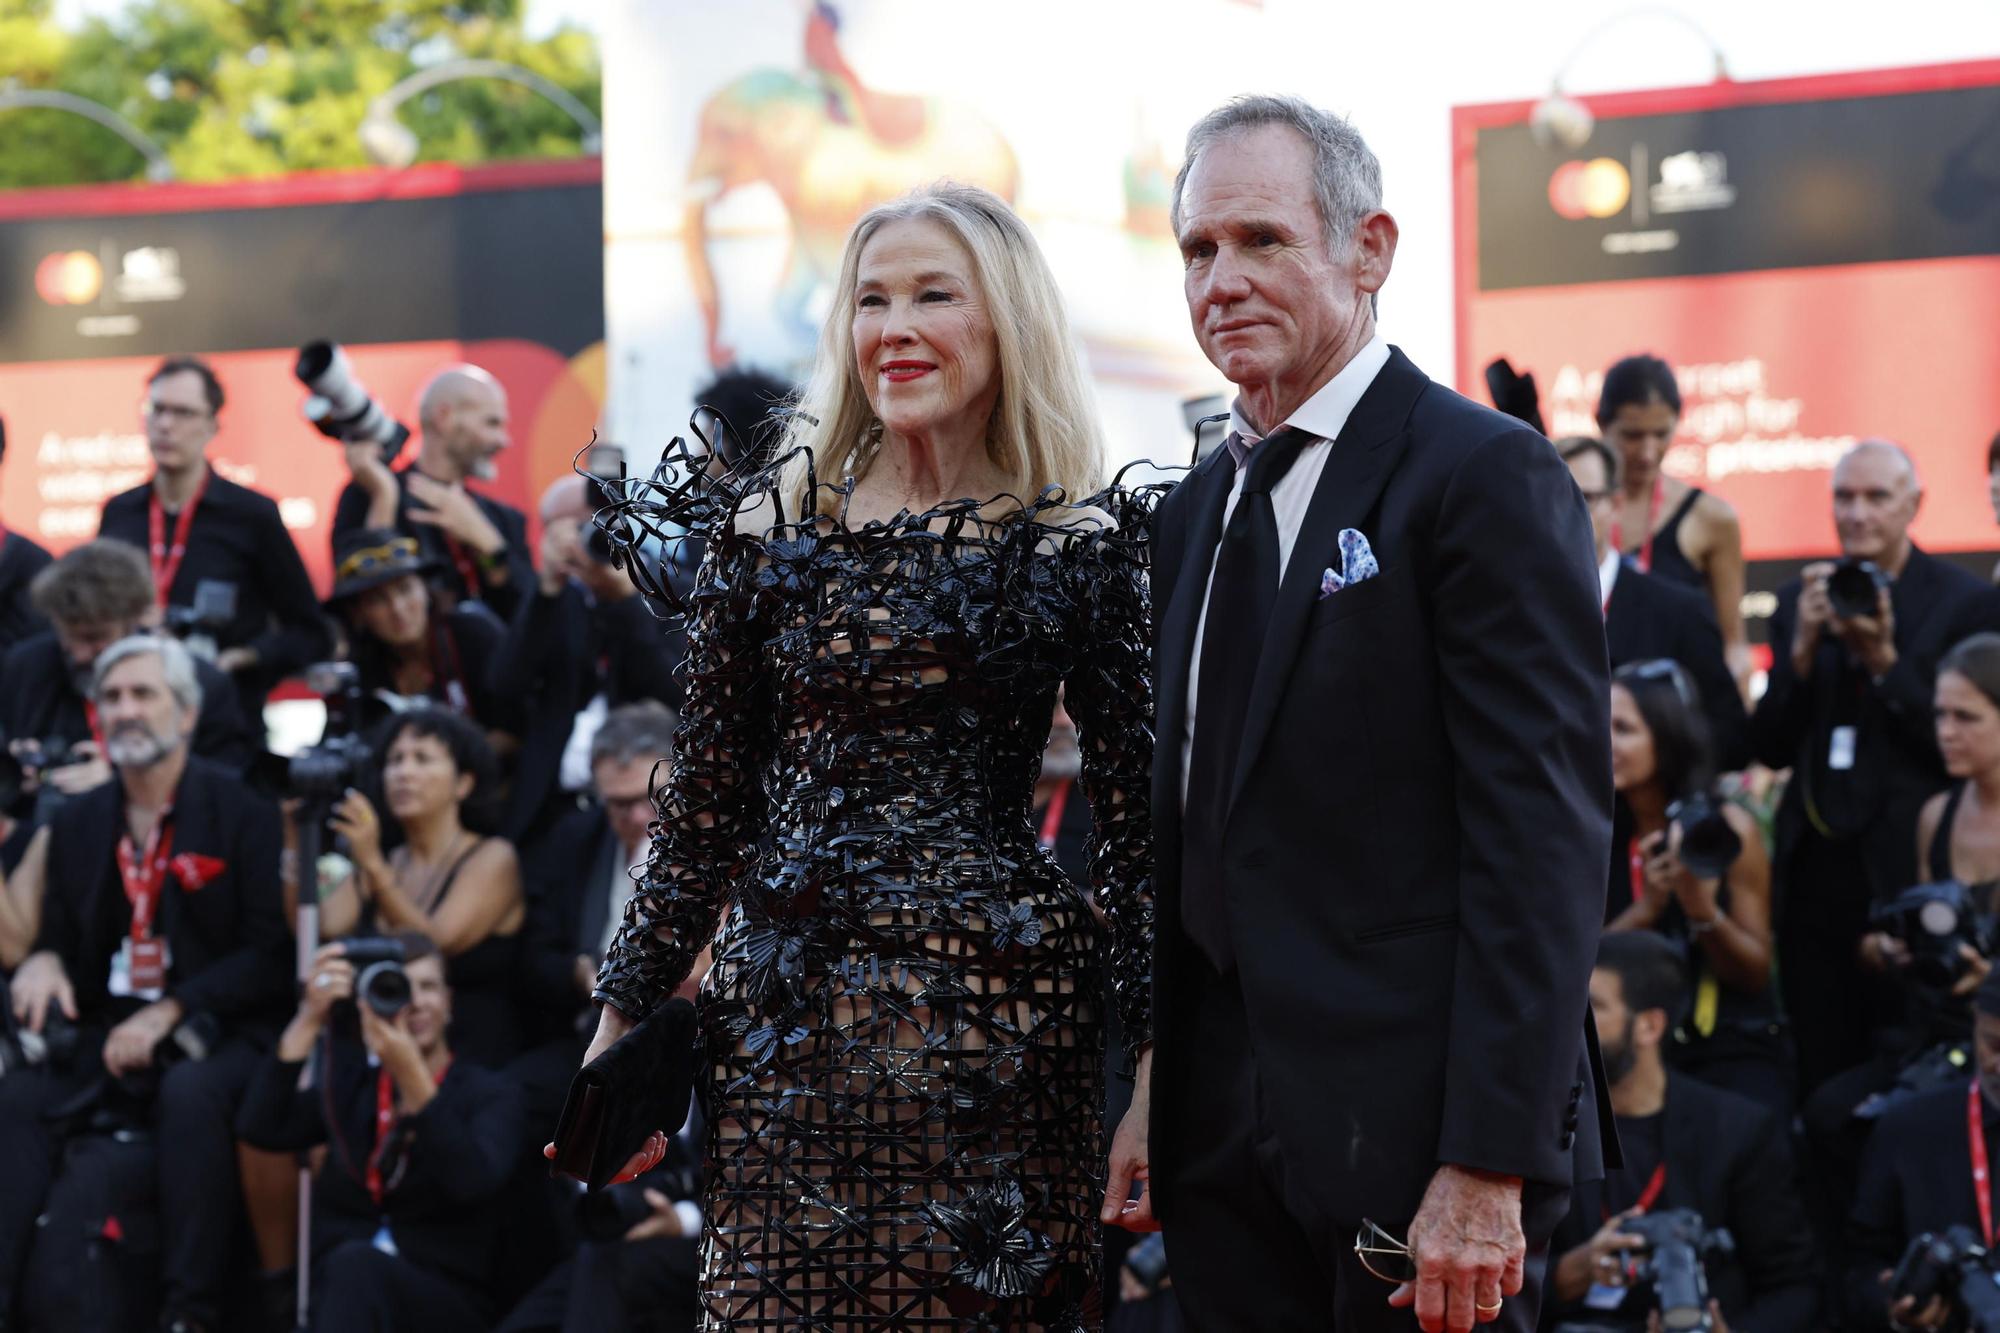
<point x="452" y="70"/>
<point x="1659" y="11"/>
<point x="157" y="166"/>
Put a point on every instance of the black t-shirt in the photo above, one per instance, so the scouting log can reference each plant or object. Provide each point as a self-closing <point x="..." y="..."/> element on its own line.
<point x="1644" y="1139"/>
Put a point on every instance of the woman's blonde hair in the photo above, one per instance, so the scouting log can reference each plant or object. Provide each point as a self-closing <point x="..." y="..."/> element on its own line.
<point x="1043" y="431"/>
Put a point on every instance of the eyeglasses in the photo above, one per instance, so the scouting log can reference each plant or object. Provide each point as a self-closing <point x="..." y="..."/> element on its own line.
<point x="1383" y="1255"/>
<point x="173" y="412"/>
<point x="1662" y="668"/>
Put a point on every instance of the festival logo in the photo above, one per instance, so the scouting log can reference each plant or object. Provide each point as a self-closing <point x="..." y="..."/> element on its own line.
<point x="69" y="277"/>
<point x="1594" y="189"/>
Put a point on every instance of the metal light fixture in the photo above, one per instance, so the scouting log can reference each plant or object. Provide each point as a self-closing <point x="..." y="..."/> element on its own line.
<point x="388" y="142"/>
<point x="1560" y="121"/>
<point x="158" y="168"/>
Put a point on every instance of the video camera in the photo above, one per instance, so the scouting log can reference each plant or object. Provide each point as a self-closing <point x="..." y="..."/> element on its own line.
<point x="340" y="407"/>
<point x="1709" y="846"/>
<point x="1855" y="587"/>
<point x="1933" y="920"/>
<point x="380" y="981"/>
<point x="1955" y="1267"/>
<point x="1670" y="1274"/>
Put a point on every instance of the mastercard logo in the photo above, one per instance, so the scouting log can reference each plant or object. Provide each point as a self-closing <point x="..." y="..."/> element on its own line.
<point x="1594" y="189"/>
<point x="72" y="277"/>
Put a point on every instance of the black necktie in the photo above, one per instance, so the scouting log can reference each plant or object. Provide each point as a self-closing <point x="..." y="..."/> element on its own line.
<point x="1241" y="594"/>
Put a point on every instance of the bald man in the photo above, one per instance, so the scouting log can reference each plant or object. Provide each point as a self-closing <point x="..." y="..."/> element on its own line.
<point x="478" y="543"/>
<point x="1848" y="710"/>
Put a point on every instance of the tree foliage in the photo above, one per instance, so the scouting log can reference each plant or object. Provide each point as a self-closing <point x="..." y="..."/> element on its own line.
<point x="235" y="88"/>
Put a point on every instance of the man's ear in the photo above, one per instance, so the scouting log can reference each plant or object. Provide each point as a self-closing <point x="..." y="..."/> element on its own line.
<point x="1651" y="1026"/>
<point x="1374" y="250"/>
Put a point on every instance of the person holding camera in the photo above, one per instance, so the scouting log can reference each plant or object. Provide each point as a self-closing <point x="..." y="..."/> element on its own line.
<point x="447" y="880"/>
<point x="159" y="937"/>
<point x="583" y="644"/>
<point x="1848" y="710"/>
<point x="94" y="596"/>
<point x="1647" y="616"/>
<point x="1697" y="1159"/>
<point x="420" y="1145"/>
<point x="1925" y="1171"/>
<point x="224" y="570"/>
<point x="478" y="544"/>
<point x="1692" y="868"/>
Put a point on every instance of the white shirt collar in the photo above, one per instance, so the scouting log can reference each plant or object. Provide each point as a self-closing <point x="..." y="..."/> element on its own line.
<point x="1326" y="412"/>
<point x="1607" y="573"/>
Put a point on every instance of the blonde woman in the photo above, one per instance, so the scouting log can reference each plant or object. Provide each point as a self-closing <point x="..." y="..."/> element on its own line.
<point x="903" y="1025"/>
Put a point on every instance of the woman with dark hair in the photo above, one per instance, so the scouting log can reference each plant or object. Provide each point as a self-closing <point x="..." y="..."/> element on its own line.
<point x="447" y="880"/>
<point x="1670" y="528"/>
<point x="1660" y="755"/>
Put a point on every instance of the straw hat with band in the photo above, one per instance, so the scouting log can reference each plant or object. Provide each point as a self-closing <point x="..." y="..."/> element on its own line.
<point x="367" y="558"/>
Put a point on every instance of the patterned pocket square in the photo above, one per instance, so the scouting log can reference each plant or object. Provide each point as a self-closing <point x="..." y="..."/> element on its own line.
<point x="1357" y="564"/>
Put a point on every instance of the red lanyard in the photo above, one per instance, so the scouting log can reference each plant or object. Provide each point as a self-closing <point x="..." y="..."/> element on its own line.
<point x="385" y="1124"/>
<point x="1645" y="552"/>
<point x="1975" y="1134"/>
<point x="144" y="873"/>
<point x="467" y="569"/>
<point x="1637" y="859"/>
<point x="1052" y="815"/>
<point x="1650" y="1195"/>
<point x="167" y="559"/>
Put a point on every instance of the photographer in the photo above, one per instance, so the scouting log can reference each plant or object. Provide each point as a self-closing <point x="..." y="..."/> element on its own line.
<point x="1646" y="616"/>
<point x="1721" y="918"/>
<point x="160" y="937"/>
<point x="1687" y="1146"/>
<point x="420" y="1145"/>
<point x="446" y="881"/>
<point x="1925" y="1170"/>
<point x="21" y="558"/>
<point x="1849" y="711"/>
<point x="584" y="643"/>
<point x="94" y="596"/>
<point x="478" y="544"/>
<point x="224" y="570"/>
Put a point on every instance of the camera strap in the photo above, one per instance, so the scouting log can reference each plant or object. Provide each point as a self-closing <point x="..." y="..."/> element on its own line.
<point x="1656" y="1184"/>
<point x="385" y="1129"/>
<point x="1975" y="1136"/>
<point x="468" y="568"/>
<point x="167" y="559"/>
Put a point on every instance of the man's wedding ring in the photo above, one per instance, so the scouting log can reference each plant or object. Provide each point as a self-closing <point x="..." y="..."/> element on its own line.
<point x="324" y="981"/>
<point x="1488" y="1309"/>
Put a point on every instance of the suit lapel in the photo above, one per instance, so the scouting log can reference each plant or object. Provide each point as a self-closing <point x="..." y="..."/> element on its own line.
<point x="1211" y="482"/>
<point x="1357" y="469"/>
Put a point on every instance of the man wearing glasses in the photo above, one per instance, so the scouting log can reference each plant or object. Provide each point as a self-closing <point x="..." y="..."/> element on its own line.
<point x="226" y="574"/>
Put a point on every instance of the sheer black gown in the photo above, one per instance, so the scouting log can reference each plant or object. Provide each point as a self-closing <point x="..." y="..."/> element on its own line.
<point x="903" y="1017"/>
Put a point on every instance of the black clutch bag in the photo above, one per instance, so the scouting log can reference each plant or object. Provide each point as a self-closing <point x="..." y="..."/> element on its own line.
<point x="641" y="1083"/>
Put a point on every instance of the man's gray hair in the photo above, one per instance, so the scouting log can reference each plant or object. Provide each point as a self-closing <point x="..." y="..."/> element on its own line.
<point x="643" y="730"/>
<point x="1347" y="178"/>
<point x="176" y="662"/>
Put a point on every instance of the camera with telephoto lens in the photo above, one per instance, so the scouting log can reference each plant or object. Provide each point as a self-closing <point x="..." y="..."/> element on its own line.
<point x="379" y="979"/>
<point x="1933" y="921"/>
<point x="1670" y="1274"/>
<point x="1955" y="1267"/>
<point x="340" y="408"/>
<point x="54" y="1046"/>
<point x="1855" y="587"/>
<point x="1709" y="846"/>
<point x="342" y="758"/>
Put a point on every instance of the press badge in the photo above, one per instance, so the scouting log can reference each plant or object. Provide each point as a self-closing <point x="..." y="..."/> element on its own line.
<point x="1601" y="1297"/>
<point x="139" y="970"/>
<point x="1840" y="749"/>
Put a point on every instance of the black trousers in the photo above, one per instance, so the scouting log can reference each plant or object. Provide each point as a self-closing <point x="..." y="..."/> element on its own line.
<point x="1238" y="1257"/>
<point x="359" y="1289"/>
<point x="639" y="1286"/>
<point x="201" y="1201"/>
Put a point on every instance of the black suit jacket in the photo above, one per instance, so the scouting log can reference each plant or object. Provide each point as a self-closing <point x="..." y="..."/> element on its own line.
<point x="351" y="511"/>
<point x="1729" y="1159"/>
<point x="229" y="948"/>
<point x="237" y="538"/>
<point x="20" y="560"/>
<point x="1417" y="849"/>
<point x="566" y="873"/>
<point x="1896" y="763"/>
<point x="1650" y="617"/>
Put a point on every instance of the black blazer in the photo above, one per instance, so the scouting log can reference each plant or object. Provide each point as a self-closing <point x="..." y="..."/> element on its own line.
<point x="1896" y="764"/>
<point x="237" y="538"/>
<point x="229" y="948"/>
<point x="1650" y="617"/>
<point x="351" y="511"/>
<point x="20" y="560"/>
<point x="1729" y="1159"/>
<point x="1416" y="850"/>
<point x="566" y="872"/>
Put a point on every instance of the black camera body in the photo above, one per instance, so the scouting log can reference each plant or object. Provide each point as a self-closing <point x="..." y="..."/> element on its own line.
<point x="1670" y="1275"/>
<point x="341" y="760"/>
<point x="1855" y="587"/>
<point x="1709" y="846"/>
<point x="55" y="1046"/>
<point x="340" y="407"/>
<point x="379" y="981"/>
<point x="1933" y="920"/>
<point x="211" y="613"/>
<point x="1953" y="1266"/>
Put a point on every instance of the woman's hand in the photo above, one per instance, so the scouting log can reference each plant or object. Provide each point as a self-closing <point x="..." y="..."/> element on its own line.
<point x="1667" y="877"/>
<point x="1883" y="952"/>
<point x="331" y="982"/>
<point x="1977" y="965"/>
<point x="355" y="820"/>
<point x="1131" y="1159"/>
<point x="611" y="1025"/>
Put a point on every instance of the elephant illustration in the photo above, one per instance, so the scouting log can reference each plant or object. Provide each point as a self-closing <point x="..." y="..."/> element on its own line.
<point x="831" y="148"/>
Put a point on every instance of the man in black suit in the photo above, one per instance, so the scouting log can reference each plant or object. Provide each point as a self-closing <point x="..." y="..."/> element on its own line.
<point x="1381" y="793"/>
<point x="220" y="556"/>
<point x="479" y="544"/>
<point x="1848" y="710"/>
<point x="1686" y="1145"/>
<point x="1919" y="1175"/>
<point x="158" y="927"/>
<point x="1647" y="618"/>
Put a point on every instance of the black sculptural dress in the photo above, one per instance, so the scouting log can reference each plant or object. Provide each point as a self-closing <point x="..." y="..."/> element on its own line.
<point x="902" y="1016"/>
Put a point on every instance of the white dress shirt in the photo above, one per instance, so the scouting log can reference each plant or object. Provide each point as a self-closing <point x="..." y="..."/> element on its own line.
<point x="1324" y="415"/>
<point x="1607" y="574"/>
